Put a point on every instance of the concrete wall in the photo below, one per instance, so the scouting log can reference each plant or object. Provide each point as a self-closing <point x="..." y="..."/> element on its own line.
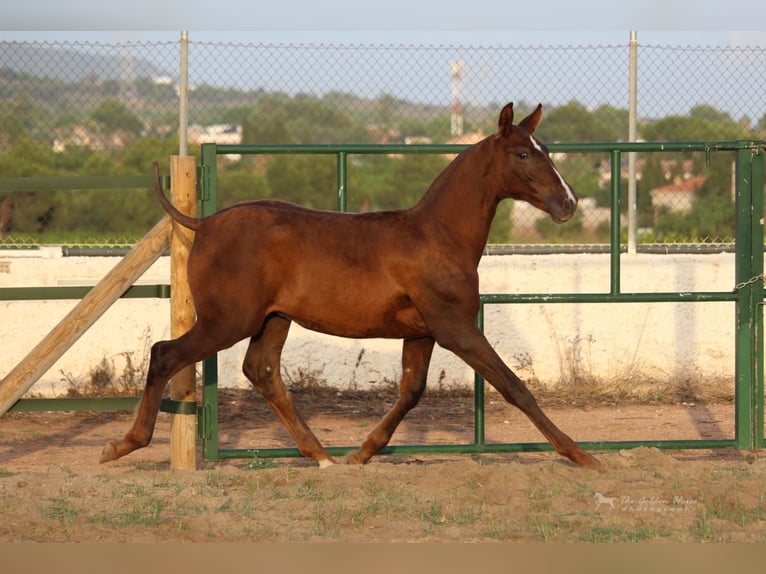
<point x="549" y="342"/>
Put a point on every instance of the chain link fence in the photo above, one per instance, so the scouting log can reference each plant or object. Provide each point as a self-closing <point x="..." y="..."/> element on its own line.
<point x="84" y="109"/>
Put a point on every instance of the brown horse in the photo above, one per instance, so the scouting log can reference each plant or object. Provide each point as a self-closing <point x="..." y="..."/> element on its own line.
<point x="411" y="274"/>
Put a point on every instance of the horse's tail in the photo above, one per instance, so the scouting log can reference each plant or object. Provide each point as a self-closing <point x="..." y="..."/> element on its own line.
<point x="187" y="221"/>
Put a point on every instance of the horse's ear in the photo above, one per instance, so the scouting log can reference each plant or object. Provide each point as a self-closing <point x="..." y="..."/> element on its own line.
<point x="530" y="122"/>
<point x="505" y="123"/>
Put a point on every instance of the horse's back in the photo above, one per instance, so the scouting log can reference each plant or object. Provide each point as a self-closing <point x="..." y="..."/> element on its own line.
<point x="291" y="229"/>
<point x="339" y="273"/>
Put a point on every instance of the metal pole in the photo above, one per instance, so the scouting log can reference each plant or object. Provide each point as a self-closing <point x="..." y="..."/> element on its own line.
<point x="183" y="91"/>
<point x="632" y="115"/>
<point x="342" y="176"/>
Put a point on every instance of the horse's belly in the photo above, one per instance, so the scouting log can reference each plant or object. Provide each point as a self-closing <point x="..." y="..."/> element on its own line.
<point x="369" y="319"/>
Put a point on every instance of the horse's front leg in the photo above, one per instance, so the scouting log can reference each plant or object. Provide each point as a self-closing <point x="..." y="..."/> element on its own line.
<point x="470" y="345"/>
<point x="416" y="356"/>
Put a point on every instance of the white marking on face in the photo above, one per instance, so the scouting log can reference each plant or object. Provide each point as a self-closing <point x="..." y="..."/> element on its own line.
<point x="538" y="146"/>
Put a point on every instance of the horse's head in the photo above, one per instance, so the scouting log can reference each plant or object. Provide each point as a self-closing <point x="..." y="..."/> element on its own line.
<point x="528" y="172"/>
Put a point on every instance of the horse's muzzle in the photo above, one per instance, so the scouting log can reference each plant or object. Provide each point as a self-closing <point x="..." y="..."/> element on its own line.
<point x="564" y="211"/>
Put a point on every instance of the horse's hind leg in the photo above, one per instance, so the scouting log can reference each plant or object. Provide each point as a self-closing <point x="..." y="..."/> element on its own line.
<point x="167" y="358"/>
<point x="416" y="356"/>
<point x="262" y="367"/>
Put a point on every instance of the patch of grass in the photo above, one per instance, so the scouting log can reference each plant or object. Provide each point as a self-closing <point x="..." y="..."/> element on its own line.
<point x="703" y="529"/>
<point x="330" y="518"/>
<point x="465" y="516"/>
<point x="723" y="509"/>
<point x="542" y="528"/>
<point x="385" y="500"/>
<point x="309" y="490"/>
<point x="498" y="531"/>
<point x="260" y="463"/>
<point x="144" y="512"/>
<point x="135" y="505"/>
<point x="61" y="510"/>
<point x="431" y="511"/>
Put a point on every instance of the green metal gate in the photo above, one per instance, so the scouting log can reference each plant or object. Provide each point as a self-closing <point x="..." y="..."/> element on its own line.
<point x="746" y="295"/>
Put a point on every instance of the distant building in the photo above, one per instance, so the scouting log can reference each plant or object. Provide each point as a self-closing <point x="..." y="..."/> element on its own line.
<point x="223" y="134"/>
<point x="219" y="134"/>
<point x="677" y="196"/>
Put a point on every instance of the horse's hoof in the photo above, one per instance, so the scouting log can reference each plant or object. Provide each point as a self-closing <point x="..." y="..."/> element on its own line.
<point x="590" y="461"/>
<point x="109" y="453"/>
<point x="353" y="458"/>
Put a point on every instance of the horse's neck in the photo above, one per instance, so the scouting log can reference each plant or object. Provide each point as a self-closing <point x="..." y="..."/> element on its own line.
<point x="462" y="200"/>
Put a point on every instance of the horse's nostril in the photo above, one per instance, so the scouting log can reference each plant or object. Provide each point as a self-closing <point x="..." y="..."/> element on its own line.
<point x="570" y="202"/>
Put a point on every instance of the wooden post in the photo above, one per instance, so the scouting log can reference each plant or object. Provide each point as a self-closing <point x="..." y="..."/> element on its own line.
<point x="183" y="386"/>
<point x="84" y="314"/>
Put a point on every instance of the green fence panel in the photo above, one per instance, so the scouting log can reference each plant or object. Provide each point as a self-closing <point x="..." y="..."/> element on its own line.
<point x="747" y="296"/>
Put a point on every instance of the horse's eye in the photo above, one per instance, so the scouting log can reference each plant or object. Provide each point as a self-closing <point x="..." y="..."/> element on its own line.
<point x="522" y="155"/>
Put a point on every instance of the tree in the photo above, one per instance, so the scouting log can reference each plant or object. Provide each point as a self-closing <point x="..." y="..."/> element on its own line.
<point x="138" y="158"/>
<point x="112" y="116"/>
<point x="406" y="180"/>
<point x="703" y="124"/>
<point x="267" y="123"/>
<point x="279" y="119"/>
<point x="710" y="114"/>
<point x="574" y="123"/>
<point x="20" y="118"/>
<point x="304" y="179"/>
<point x="27" y="158"/>
<point x="240" y="185"/>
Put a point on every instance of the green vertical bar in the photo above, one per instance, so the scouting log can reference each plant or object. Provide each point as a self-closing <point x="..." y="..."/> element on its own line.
<point x="614" y="268"/>
<point x="208" y="180"/>
<point x="342" y="174"/>
<point x="757" y="239"/>
<point x="746" y="304"/>
<point x="478" y="394"/>
<point x="209" y="411"/>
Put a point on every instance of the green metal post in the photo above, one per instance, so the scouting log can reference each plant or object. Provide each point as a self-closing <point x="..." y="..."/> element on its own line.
<point x="478" y="394"/>
<point x="757" y="186"/>
<point x="749" y="268"/>
<point x="342" y="174"/>
<point x="614" y="268"/>
<point x="208" y="424"/>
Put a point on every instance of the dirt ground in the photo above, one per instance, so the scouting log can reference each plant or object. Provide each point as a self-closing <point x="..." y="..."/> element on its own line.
<point x="52" y="488"/>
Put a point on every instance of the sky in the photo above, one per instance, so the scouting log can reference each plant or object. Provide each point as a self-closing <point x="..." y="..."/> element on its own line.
<point x="399" y="22"/>
<point x="474" y="22"/>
